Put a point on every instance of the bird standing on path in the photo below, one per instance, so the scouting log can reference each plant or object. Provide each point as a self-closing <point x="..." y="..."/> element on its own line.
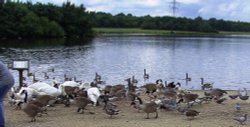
<point x="237" y="107"/>
<point x="241" y="119"/>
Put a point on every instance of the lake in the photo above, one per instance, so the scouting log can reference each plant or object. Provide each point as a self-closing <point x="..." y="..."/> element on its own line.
<point x="223" y="61"/>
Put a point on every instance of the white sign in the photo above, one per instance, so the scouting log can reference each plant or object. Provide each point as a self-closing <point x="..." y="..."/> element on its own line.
<point x="20" y="65"/>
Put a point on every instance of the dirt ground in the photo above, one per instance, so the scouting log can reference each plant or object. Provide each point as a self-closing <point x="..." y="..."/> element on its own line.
<point x="212" y="115"/>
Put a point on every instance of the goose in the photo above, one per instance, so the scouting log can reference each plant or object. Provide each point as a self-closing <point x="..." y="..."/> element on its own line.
<point x="187" y="98"/>
<point x="145" y="76"/>
<point x="82" y="102"/>
<point x="215" y="93"/>
<point x="220" y="101"/>
<point x="111" y="109"/>
<point x="150" y="87"/>
<point x="150" y="107"/>
<point x="46" y="75"/>
<point x="191" y="114"/>
<point x="131" y="86"/>
<point x="31" y="110"/>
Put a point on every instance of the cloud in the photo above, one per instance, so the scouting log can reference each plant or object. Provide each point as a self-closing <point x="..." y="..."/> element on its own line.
<point x="230" y="10"/>
<point x="220" y="9"/>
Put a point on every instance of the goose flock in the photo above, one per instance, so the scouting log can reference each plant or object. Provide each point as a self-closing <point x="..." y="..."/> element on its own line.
<point x="150" y="98"/>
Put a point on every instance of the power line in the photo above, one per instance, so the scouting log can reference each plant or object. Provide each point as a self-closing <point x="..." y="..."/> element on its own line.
<point x="173" y="6"/>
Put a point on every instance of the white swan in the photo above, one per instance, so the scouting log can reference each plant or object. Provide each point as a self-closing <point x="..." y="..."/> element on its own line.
<point x="93" y="94"/>
<point x="45" y="89"/>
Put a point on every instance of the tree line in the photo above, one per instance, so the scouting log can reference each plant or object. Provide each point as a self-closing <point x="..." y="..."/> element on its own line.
<point x="27" y="20"/>
<point x="121" y="20"/>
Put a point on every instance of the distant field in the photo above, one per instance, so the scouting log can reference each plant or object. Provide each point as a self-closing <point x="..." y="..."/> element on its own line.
<point x="151" y="32"/>
<point x="163" y="32"/>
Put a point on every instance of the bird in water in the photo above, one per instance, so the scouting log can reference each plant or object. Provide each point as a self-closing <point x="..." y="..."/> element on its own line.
<point x="241" y="119"/>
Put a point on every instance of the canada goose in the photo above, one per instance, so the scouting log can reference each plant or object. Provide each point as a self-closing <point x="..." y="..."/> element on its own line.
<point x="145" y="76"/>
<point x="220" y="101"/>
<point x="98" y="77"/>
<point x="30" y="109"/>
<point x="131" y="86"/>
<point x="191" y="114"/>
<point x="82" y="102"/>
<point x="187" y="77"/>
<point x="118" y="90"/>
<point x="110" y="109"/>
<point x="170" y="85"/>
<point x="150" y="107"/>
<point x="188" y="98"/>
<point x="216" y="93"/>
<point x="241" y="119"/>
<point x="71" y="91"/>
<point x="150" y="87"/>
<point x="137" y="105"/>
<point x="46" y="75"/>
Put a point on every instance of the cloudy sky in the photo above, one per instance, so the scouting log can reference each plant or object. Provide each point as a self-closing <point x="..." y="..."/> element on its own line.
<point x="237" y="10"/>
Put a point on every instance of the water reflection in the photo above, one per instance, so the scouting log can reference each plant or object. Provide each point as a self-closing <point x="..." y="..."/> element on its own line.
<point x="223" y="61"/>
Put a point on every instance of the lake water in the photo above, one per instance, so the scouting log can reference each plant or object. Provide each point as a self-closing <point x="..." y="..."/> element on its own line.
<point x="224" y="61"/>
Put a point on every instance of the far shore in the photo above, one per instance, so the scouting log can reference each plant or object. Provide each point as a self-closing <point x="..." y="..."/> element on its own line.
<point x="151" y="32"/>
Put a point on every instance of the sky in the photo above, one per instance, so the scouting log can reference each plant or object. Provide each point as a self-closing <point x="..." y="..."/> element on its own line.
<point x="235" y="10"/>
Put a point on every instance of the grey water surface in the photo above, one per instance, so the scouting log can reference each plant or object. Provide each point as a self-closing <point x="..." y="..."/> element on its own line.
<point x="223" y="61"/>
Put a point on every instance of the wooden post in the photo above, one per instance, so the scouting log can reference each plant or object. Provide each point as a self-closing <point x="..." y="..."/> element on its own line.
<point x="20" y="78"/>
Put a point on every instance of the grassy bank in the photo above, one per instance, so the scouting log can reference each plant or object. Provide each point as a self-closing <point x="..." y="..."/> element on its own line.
<point x="162" y="32"/>
<point x="147" y="32"/>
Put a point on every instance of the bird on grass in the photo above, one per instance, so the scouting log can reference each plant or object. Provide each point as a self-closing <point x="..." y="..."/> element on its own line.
<point x="241" y="119"/>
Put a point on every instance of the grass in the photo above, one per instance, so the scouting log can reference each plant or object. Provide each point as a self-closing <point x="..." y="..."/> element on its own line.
<point x="162" y="32"/>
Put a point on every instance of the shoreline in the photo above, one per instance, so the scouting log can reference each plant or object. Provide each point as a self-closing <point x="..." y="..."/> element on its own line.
<point x="169" y="33"/>
<point x="212" y="114"/>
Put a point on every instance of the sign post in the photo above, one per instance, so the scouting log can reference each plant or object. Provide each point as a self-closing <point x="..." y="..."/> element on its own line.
<point x="20" y="66"/>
